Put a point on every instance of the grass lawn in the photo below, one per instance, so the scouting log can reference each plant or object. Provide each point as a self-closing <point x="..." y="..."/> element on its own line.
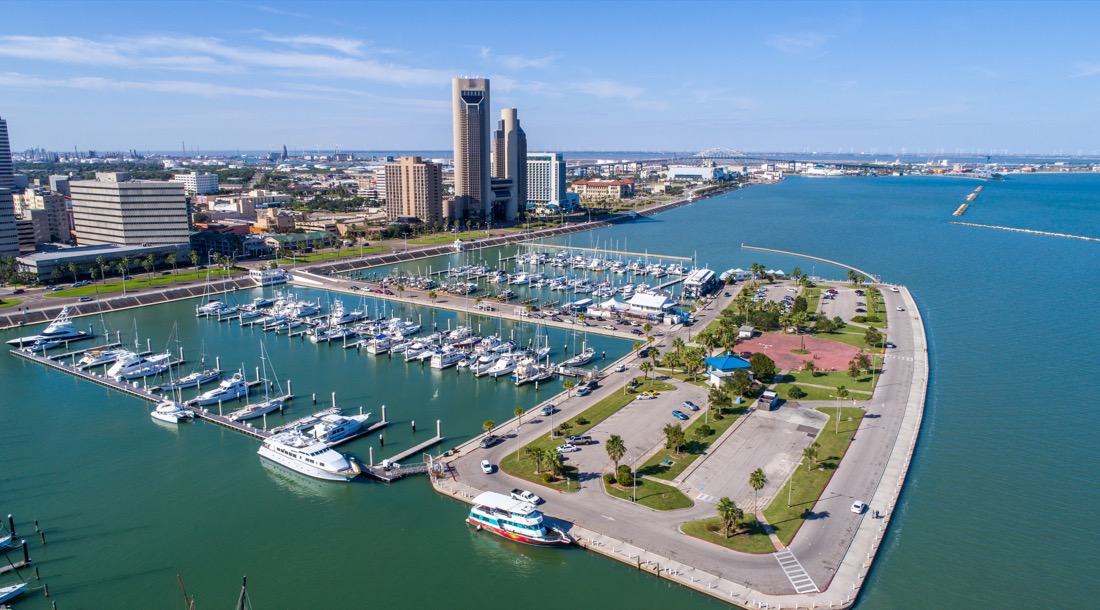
<point x="700" y="379"/>
<point x="313" y="257"/>
<point x="693" y="449"/>
<point x="9" y="302"/>
<point x="750" y="536"/>
<point x="852" y="335"/>
<point x="833" y="379"/>
<point x="138" y="283"/>
<point x="652" y="494"/>
<point x="438" y="239"/>
<point x="519" y="464"/>
<point x="813" y="393"/>
<point x="808" y="484"/>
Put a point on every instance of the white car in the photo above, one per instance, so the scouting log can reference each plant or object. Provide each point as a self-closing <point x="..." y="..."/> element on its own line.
<point x="900" y="308"/>
<point x="567" y="448"/>
<point x="858" y="507"/>
<point x="646" y="396"/>
<point x="894" y="289"/>
<point x="486" y="467"/>
<point x="525" y="496"/>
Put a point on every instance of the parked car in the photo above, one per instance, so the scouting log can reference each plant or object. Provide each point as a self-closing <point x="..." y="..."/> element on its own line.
<point x="567" y="448"/>
<point x="56" y="288"/>
<point x="860" y="310"/>
<point x="547" y="410"/>
<point x="691" y="405"/>
<point x="636" y="331"/>
<point x="354" y="287"/>
<point x="486" y="467"/>
<point x="679" y="415"/>
<point x="609" y="326"/>
<point x="644" y="396"/>
<point x="18" y="291"/>
<point x="580" y="439"/>
<point x="890" y="344"/>
<point x="584" y="391"/>
<point x="621" y="368"/>
<point x="525" y="496"/>
<point x="858" y="507"/>
<point x="894" y="289"/>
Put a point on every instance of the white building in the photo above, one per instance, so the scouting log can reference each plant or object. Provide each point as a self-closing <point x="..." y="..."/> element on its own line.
<point x="694" y="173"/>
<point x="112" y="209"/>
<point x="197" y="183"/>
<point x="546" y="181"/>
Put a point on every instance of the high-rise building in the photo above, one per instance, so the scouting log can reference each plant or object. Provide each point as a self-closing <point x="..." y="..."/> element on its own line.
<point x="115" y="210"/>
<point x="197" y="183"/>
<point x="473" y="183"/>
<point x="9" y="234"/>
<point x="53" y="204"/>
<point x="510" y="162"/>
<point x="414" y="188"/>
<point x="546" y="179"/>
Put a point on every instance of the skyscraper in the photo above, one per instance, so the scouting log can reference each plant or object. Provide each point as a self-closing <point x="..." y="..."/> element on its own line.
<point x="112" y="209"/>
<point x="510" y="160"/>
<point x="9" y="234"/>
<point x="546" y="179"/>
<point x="414" y="188"/>
<point x="473" y="184"/>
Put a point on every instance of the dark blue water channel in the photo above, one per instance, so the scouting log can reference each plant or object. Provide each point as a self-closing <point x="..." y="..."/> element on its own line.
<point x="996" y="511"/>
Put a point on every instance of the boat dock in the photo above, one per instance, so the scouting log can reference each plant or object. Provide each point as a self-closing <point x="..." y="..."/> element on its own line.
<point x="134" y="390"/>
<point x="225" y="422"/>
<point x="390" y="469"/>
<point x="81" y="352"/>
<point x="613" y="252"/>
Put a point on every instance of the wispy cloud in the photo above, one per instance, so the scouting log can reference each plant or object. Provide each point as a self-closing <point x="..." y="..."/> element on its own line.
<point x="518" y="62"/>
<point x="215" y="55"/>
<point x="95" y="83"/>
<point x="797" y="44"/>
<point x="348" y="46"/>
<point x="605" y="88"/>
<point x="1087" y="69"/>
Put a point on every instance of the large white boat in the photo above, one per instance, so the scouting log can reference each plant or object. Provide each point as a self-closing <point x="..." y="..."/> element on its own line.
<point x="503" y="366"/>
<point x="584" y="357"/>
<point x="229" y="389"/>
<point x="484" y="363"/>
<point x="379" y="345"/>
<point x="514" y="519"/>
<point x="171" y="412"/>
<point x="99" y="357"/>
<point x="61" y="329"/>
<point x="130" y="365"/>
<point x="193" y="380"/>
<point x="258" y="409"/>
<point x="446" y="358"/>
<point x="333" y="428"/>
<point x="308" y="456"/>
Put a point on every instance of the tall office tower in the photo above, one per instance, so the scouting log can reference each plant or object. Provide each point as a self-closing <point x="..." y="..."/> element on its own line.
<point x="414" y="188"/>
<point x="510" y="159"/>
<point x="546" y="179"/>
<point x="112" y="209"/>
<point x="473" y="183"/>
<point x="9" y="233"/>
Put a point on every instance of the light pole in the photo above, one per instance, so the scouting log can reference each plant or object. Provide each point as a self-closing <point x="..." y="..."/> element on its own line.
<point x="837" y="412"/>
<point x="790" y="487"/>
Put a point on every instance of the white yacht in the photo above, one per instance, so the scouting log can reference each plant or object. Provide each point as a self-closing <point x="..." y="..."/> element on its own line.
<point x="379" y="345"/>
<point x="584" y="357"/>
<point x="99" y="357"/>
<point x="229" y="389"/>
<point x="505" y="365"/>
<point x="210" y="308"/>
<point x="484" y="363"/>
<point x="446" y="358"/>
<point x="333" y="428"/>
<point x="171" y="412"/>
<point x="308" y="456"/>
<point x="257" y="409"/>
<point x="193" y="380"/>
<point x="61" y="329"/>
<point x="130" y="365"/>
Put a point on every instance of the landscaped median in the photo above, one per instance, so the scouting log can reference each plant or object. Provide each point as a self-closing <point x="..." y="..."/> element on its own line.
<point x="138" y="283"/>
<point x="806" y="486"/>
<point x="344" y="253"/>
<point x="521" y="463"/>
<point x="9" y="302"/>
<point x="666" y="465"/>
<point x="652" y="494"/>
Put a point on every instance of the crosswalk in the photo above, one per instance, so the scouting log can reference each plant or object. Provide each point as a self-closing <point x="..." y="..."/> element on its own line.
<point x="909" y="358"/>
<point x="707" y="498"/>
<point x="800" y="580"/>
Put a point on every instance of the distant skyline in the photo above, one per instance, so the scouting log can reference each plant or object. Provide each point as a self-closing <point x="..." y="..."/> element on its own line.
<point x="940" y="78"/>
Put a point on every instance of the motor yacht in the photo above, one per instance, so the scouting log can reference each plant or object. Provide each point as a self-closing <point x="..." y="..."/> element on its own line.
<point x="308" y="456"/>
<point x="229" y="389"/>
<point x="171" y="412"/>
<point x="61" y="329"/>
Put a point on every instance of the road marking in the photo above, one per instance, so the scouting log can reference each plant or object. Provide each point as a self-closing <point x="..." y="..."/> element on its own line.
<point x="608" y="518"/>
<point x="800" y="580"/>
<point x="909" y="358"/>
<point x="707" y="498"/>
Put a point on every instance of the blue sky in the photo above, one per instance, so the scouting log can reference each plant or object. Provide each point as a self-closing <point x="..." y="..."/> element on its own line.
<point x="864" y="77"/>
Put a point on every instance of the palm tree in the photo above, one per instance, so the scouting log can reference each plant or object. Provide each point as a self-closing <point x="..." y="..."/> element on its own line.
<point x="757" y="480"/>
<point x="538" y="454"/>
<point x="674" y="437"/>
<point x="810" y="453"/>
<point x="555" y="462"/>
<point x="194" y="256"/>
<point x="72" y="269"/>
<point x="719" y="399"/>
<point x="842" y="393"/>
<point x="432" y="295"/>
<point x="637" y="346"/>
<point x="796" y="274"/>
<point x="645" y="367"/>
<point x="851" y="276"/>
<point x="693" y="361"/>
<point x="488" y="425"/>
<point x="677" y="346"/>
<point x="519" y="415"/>
<point x="148" y="262"/>
<point x="729" y="512"/>
<point x="101" y="262"/>
<point x="616" y="449"/>
<point x="653" y="355"/>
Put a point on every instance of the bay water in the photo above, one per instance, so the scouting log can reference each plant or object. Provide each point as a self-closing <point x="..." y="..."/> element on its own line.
<point x="996" y="509"/>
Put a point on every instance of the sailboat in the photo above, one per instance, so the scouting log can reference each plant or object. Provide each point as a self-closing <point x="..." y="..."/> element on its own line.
<point x="269" y="403"/>
<point x="196" y="378"/>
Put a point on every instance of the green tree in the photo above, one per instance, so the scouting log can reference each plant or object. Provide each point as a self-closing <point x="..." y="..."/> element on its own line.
<point x="519" y="415"/>
<point x="693" y="361"/>
<point x="810" y="454"/>
<point x="864" y="362"/>
<point x="740" y="383"/>
<point x="568" y="387"/>
<point x="555" y="462"/>
<point x="842" y="393"/>
<point x="795" y="392"/>
<point x="719" y="400"/>
<point x="853" y="368"/>
<point x="148" y="262"/>
<point x="654" y="354"/>
<point x="616" y="449"/>
<point x="432" y="296"/>
<point x="674" y="437"/>
<point x="729" y="513"/>
<point x="101" y="263"/>
<point x="810" y="367"/>
<point x="194" y="256"/>
<point x="72" y="269"/>
<point x="762" y="367"/>
<point x="873" y="337"/>
<point x="637" y="346"/>
<point x="645" y="367"/>
<point x="538" y="454"/>
<point x="488" y="425"/>
<point x="757" y="480"/>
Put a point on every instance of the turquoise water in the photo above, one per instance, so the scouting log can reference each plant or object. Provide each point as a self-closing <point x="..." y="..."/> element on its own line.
<point x="996" y="511"/>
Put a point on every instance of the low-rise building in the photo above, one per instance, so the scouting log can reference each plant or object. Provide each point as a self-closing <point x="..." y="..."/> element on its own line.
<point x="43" y="264"/>
<point x="300" y="242"/>
<point x="721" y="368"/>
<point x="603" y="190"/>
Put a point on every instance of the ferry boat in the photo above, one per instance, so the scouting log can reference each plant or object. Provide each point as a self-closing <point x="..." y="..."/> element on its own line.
<point x="308" y="456"/>
<point x="61" y="329"/>
<point x="171" y="412"/>
<point x="515" y="520"/>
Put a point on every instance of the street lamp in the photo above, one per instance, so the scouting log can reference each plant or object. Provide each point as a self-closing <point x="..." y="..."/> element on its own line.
<point x="837" y="412"/>
<point x="791" y="486"/>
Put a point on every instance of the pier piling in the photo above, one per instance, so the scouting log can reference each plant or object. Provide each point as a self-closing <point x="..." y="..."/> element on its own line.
<point x="11" y="526"/>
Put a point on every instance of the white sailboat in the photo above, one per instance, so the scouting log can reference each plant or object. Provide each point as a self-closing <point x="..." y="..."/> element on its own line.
<point x="269" y="403"/>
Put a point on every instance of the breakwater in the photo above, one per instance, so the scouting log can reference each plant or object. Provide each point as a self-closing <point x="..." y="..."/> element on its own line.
<point x="1031" y="231"/>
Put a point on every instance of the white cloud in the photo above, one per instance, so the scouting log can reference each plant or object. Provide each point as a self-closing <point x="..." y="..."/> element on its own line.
<point x="604" y="88"/>
<point x="797" y="44"/>
<point x="518" y="62"/>
<point x="95" y="83"/>
<point x="347" y="46"/>
<point x="1087" y="69"/>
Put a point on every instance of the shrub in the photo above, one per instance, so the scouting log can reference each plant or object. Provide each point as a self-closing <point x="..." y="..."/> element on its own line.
<point x="859" y="319"/>
<point x="704" y="431"/>
<point x="795" y="392"/>
<point x="624" y="468"/>
<point x="547" y="477"/>
<point x="609" y="478"/>
<point x="582" y="421"/>
<point x="625" y="479"/>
